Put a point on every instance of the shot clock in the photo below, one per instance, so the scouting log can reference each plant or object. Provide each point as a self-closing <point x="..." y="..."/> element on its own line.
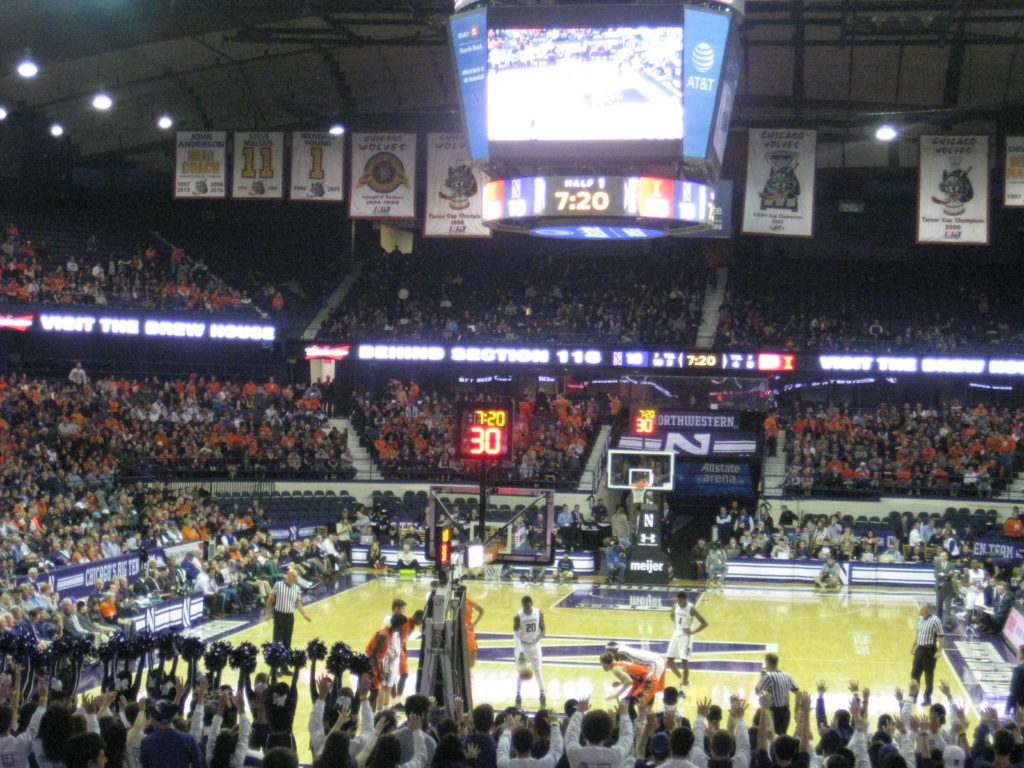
<point x="484" y="430"/>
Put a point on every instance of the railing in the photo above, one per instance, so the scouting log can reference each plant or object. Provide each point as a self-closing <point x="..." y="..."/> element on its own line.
<point x="951" y="487"/>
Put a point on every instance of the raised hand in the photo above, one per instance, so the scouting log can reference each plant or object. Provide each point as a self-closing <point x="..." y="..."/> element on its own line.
<point x="704" y="707"/>
<point x="899" y="694"/>
<point x="472" y="751"/>
<point x="945" y="689"/>
<point x="323" y="687"/>
<point x="821" y="687"/>
<point x="854" y="686"/>
<point x="583" y="704"/>
<point x="738" y="707"/>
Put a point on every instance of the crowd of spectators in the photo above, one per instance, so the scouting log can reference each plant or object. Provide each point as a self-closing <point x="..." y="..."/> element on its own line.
<point x="447" y="295"/>
<point x="411" y="435"/>
<point x="855" y="306"/>
<point x="952" y="450"/>
<point x="204" y="720"/>
<point x="62" y="434"/>
<point x="39" y="270"/>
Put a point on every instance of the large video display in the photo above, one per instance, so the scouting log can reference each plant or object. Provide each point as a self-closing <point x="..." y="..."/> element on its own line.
<point x="584" y="84"/>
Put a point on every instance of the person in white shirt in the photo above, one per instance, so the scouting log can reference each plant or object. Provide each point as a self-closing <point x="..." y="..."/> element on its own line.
<point x="596" y="727"/>
<point x="518" y="736"/>
<point x="722" y="743"/>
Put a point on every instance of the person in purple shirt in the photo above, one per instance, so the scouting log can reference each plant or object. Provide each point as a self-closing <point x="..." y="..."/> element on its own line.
<point x="167" y="747"/>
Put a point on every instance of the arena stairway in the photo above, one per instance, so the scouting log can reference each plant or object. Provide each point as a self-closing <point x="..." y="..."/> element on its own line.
<point x="332" y="302"/>
<point x="775" y="470"/>
<point x="595" y="464"/>
<point x="713" y="297"/>
<point x="361" y="459"/>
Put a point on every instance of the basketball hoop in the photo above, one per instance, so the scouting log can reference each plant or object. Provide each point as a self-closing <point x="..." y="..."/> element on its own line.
<point x="639" y="490"/>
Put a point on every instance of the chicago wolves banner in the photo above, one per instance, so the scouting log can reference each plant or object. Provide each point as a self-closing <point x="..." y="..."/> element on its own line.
<point x="258" y="166"/>
<point x="318" y="162"/>
<point x="200" y="164"/>
<point x="454" y="189"/>
<point x="383" y="176"/>
<point x="952" y="195"/>
<point x="1013" y="196"/>
<point x="779" y="197"/>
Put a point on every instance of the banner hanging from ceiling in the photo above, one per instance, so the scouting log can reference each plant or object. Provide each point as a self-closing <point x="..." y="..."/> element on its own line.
<point x="1013" y="195"/>
<point x="200" y="164"/>
<point x="779" y="198"/>
<point x="454" y="189"/>
<point x="318" y="167"/>
<point x="383" y="176"/>
<point x="258" y="171"/>
<point x="952" y="195"/>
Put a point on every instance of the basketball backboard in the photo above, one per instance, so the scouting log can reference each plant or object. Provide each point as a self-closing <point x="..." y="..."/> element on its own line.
<point x="655" y="468"/>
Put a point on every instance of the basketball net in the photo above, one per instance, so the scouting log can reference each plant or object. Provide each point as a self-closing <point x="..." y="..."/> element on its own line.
<point x="639" y="490"/>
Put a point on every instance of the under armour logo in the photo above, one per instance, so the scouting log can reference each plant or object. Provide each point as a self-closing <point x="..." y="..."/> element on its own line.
<point x="648" y="538"/>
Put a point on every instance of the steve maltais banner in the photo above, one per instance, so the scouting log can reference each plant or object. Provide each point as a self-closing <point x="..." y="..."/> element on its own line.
<point x="952" y="196"/>
<point x="258" y="165"/>
<point x="318" y="164"/>
<point x="383" y="176"/>
<point x="779" y="198"/>
<point x="200" y="164"/>
<point x="454" y="189"/>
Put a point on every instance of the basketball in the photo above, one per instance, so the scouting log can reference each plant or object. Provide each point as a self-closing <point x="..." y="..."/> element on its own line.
<point x="525" y="672"/>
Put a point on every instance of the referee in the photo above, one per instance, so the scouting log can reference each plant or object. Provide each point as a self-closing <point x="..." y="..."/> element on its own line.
<point x="284" y="601"/>
<point x="927" y="649"/>
<point x="778" y="685"/>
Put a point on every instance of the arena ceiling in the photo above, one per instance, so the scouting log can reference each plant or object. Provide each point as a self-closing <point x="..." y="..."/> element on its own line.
<point x="841" y="66"/>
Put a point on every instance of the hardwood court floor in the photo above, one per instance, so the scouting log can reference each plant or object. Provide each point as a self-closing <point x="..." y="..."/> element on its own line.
<point x="864" y="635"/>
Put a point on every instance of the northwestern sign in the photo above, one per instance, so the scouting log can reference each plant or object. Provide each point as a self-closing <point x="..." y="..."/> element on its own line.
<point x="710" y="444"/>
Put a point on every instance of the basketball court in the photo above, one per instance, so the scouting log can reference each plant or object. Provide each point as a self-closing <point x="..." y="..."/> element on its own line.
<point x="862" y="634"/>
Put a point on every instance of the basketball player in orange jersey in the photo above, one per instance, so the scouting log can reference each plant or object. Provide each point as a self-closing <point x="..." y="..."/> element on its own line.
<point x="471" y="622"/>
<point x="637" y="682"/>
<point x="411" y="623"/>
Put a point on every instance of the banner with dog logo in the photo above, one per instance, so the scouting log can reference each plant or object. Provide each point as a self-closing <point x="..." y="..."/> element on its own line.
<point x="318" y="165"/>
<point x="200" y="164"/>
<point x="779" y="197"/>
<point x="258" y="172"/>
<point x="952" y="195"/>
<point x="383" y="176"/>
<point x="454" y="189"/>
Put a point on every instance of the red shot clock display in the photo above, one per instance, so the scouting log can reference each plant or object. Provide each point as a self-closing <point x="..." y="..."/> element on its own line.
<point x="484" y="430"/>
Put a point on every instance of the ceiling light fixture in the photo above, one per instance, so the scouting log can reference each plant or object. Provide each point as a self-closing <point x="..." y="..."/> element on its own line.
<point x="336" y="129"/>
<point x="28" y="68"/>
<point x="164" y="122"/>
<point x="102" y="102"/>
<point x="56" y="130"/>
<point x="886" y="133"/>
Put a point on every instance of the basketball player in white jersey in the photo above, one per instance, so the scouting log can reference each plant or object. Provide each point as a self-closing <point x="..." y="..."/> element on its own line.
<point x="653" y="661"/>
<point x="528" y="629"/>
<point x="681" y="644"/>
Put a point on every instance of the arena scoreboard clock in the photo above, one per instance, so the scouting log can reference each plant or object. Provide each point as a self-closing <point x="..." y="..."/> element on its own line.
<point x="484" y="430"/>
<point x="644" y="421"/>
<point x="598" y="207"/>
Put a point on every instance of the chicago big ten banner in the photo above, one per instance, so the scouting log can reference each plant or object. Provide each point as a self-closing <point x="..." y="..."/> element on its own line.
<point x="454" y="189"/>
<point x="1013" y="197"/>
<point x="383" y="176"/>
<point x="258" y="166"/>
<point x="317" y="166"/>
<point x="952" y="195"/>
<point x="200" y="164"/>
<point x="779" y="197"/>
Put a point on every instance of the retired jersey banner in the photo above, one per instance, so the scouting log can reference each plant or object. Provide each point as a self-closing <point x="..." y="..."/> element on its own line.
<point x="779" y="198"/>
<point x="318" y="163"/>
<point x="259" y="165"/>
<point x="454" y="189"/>
<point x="952" y="195"/>
<point x="383" y="176"/>
<point x="1013" y="196"/>
<point x="200" y="164"/>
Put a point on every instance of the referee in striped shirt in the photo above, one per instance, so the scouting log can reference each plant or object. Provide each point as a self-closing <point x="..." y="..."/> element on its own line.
<point x="927" y="649"/>
<point x="778" y="685"/>
<point x="284" y="601"/>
